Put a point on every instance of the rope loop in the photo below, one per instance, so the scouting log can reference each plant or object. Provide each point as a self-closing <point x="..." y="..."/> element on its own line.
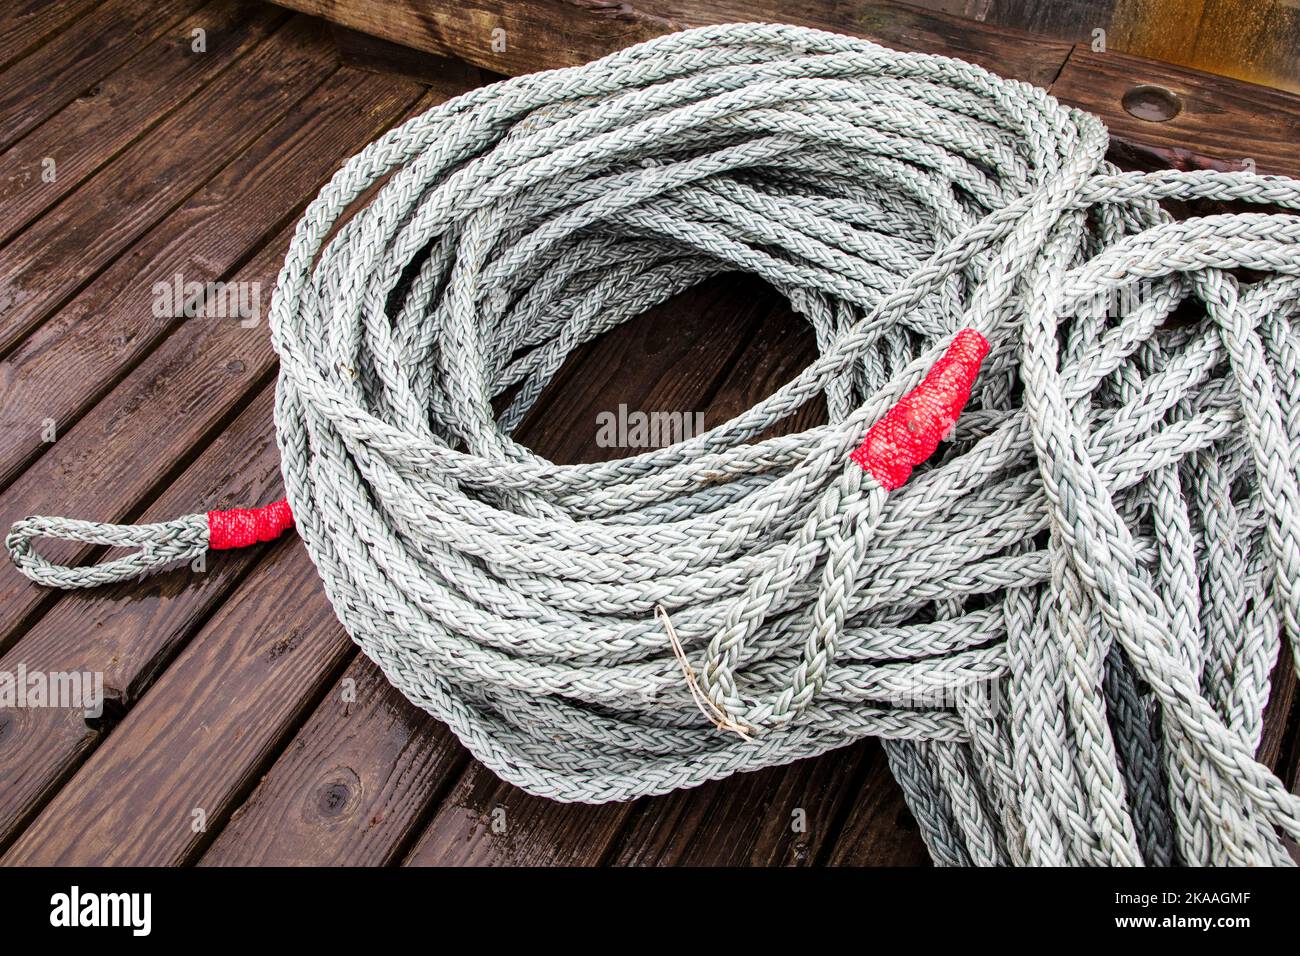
<point x="160" y="545"/>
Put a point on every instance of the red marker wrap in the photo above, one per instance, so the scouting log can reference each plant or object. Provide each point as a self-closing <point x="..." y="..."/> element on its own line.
<point x="911" y="430"/>
<point x="240" y="527"/>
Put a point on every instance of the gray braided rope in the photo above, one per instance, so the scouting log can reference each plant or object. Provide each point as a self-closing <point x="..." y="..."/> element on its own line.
<point x="1109" y="540"/>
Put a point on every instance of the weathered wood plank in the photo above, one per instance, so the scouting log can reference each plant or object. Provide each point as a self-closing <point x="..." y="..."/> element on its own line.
<point x="783" y="345"/>
<point x="28" y="22"/>
<point x="131" y="631"/>
<point x="880" y="830"/>
<point x="91" y="130"/>
<point x="1223" y="124"/>
<point x="169" y="406"/>
<point x="518" y="37"/>
<point x="178" y="764"/>
<point x="94" y="45"/>
<point x="67" y="246"/>
<point x="360" y="51"/>
<point x="536" y="35"/>
<point x="351" y="788"/>
<point x="1009" y="53"/>
<point x="779" y="816"/>
<point x="1278" y="736"/>
<point x="204" y="370"/>
<point x="137" y="627"/>
<point x="72" y="358"/>
<point x="484" y="822"/>
<point x="1252" y="40"/>
<point x="1071" y="20"/>
<point x="512" y="37"/>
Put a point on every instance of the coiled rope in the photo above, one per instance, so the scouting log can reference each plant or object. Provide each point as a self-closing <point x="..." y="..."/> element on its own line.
<point x="1063" y="625"/>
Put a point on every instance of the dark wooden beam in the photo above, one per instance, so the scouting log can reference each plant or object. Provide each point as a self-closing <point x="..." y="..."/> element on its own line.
<point x="523" y="36"/>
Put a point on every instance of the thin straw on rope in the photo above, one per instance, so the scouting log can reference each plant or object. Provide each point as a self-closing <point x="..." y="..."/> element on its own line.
<point x="1061" y="614"/>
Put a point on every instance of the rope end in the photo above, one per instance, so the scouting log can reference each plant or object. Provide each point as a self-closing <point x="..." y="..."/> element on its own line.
<point x="720" y="718"/>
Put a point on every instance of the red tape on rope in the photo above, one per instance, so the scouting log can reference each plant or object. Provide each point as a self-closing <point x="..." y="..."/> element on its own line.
<point x="240" y="527"/>
<point x="911" y="430"/>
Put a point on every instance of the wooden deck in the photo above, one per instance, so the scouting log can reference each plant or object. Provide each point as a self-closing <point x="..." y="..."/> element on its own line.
<point x="242" y="726"/>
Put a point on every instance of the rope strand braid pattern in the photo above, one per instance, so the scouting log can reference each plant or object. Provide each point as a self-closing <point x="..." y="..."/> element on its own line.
<point x="1063" y="625"/>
